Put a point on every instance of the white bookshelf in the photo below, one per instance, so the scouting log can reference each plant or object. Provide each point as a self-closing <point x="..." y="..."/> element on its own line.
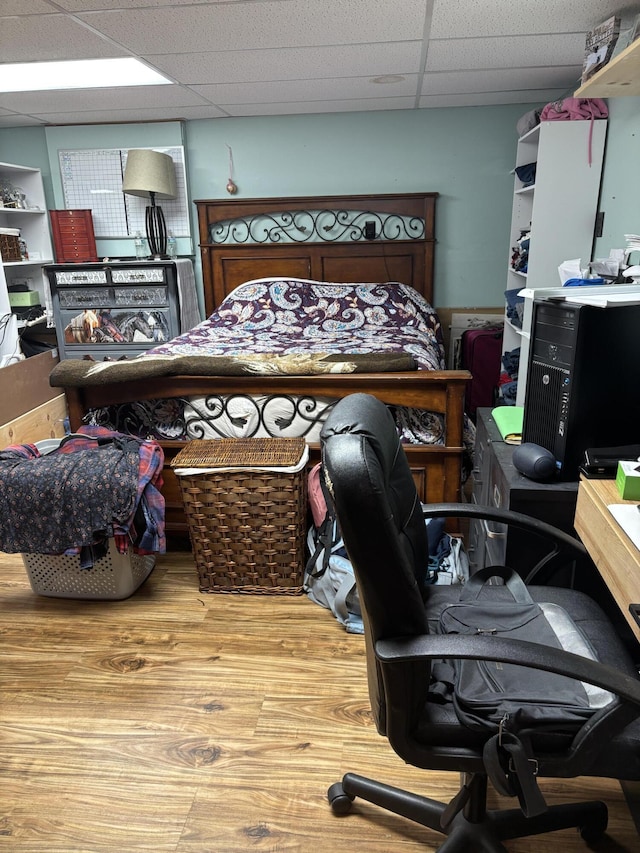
<point x="32" y="221"/>
<point x="560" y="210"/>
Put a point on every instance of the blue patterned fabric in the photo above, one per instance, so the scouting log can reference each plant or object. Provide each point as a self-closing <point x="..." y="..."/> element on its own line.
<point x="283" y="316"/>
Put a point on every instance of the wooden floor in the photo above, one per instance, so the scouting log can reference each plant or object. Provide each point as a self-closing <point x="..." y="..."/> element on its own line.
<point x="181" y="722"/>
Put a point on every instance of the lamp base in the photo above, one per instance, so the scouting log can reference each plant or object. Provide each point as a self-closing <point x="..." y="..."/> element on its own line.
<point x="156" y="231"/>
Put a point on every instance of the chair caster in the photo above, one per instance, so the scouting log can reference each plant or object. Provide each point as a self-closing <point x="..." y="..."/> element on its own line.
<point x="595" y="828"/>
<point x="339" y="801"/>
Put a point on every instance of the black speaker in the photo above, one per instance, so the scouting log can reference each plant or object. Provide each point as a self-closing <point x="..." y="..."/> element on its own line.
<point x="535" y="462"/>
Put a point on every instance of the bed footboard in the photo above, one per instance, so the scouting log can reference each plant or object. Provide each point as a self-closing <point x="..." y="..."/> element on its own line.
<point x="437" y="469"/>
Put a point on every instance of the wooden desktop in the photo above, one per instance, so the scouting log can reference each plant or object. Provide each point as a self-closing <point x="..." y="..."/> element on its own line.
<point x="618" y="562"/>
<point x="614" y="554"/>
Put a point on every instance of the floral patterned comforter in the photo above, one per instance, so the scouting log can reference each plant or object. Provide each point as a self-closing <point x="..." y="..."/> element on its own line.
<point x="283" y="316"/>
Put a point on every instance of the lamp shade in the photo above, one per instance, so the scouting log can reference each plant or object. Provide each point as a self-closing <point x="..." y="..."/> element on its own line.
<point x="148" y="172"/>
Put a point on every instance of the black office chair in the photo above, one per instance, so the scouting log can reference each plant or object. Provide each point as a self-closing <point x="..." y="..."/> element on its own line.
<point x="384" y="531"/>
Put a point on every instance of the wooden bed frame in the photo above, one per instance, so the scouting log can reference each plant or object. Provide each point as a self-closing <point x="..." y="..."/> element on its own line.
<point x="397" y="252"/>
<point x="335" y="250"/>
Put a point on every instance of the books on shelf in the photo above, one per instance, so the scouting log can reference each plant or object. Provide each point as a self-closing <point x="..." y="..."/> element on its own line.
<point x="599" y="47"/>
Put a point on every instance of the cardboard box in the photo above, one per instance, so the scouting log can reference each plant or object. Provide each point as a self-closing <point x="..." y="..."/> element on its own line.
<point x="628" y="480"/>
<point x="25" y="385"/>
<point x="23" y="298"/>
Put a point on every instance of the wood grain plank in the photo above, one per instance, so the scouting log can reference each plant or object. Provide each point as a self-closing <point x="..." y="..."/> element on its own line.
<point x="44" y="421"/>
<point x="185" y="722"/>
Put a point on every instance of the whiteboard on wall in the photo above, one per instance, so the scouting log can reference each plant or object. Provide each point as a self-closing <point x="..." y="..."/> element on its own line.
<point x="92" y="179"/>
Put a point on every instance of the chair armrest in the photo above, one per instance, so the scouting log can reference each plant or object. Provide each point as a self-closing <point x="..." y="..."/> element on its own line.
<point x="563" y="547"/>
<point x="533" y="655"/>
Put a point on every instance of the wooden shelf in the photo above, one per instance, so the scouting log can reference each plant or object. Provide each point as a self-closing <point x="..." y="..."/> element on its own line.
<point x="619" y="77"/>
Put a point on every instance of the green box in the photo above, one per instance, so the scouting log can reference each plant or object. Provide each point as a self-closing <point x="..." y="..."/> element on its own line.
<point x="628" y="480"/>
<point x="24" y="298"/>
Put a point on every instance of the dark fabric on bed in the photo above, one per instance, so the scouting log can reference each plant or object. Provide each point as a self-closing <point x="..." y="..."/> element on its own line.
<point x="81" y="372"/>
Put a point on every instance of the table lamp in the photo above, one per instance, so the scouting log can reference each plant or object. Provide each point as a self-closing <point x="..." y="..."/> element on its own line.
<point x="151" y="174"/>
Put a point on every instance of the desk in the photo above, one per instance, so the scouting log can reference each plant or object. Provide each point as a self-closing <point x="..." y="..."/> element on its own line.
<point x="618" y="562"/>
<point x="497" y="483"/>
<point x="614" y="554"/>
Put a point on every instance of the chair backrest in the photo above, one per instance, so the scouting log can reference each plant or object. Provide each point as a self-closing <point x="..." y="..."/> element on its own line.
<point x="380" y="516"/>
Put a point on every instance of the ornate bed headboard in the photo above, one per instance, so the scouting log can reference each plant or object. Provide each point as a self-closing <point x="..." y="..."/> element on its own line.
<point x="325" y="238"/>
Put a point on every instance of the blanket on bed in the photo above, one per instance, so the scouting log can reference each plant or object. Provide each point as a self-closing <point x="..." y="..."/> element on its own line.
<point x="81" y="372"/>
<point x="294" y="316"/>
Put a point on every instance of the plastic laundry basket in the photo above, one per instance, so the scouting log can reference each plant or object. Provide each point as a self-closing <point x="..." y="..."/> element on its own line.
<point x="114" y="576"/>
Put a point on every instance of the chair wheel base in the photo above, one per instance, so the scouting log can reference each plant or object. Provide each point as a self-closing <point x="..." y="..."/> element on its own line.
<point x="473" y="828"/>
<point x="339" y="800"/>
<point x="594" y="829"/>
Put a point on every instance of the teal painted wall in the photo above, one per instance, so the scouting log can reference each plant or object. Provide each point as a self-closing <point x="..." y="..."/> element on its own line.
<point x="465" y="154"/>
<point x="157" y="135"/>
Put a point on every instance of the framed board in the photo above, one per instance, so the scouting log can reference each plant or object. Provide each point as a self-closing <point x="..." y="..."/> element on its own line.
<point x="92" y="179"/>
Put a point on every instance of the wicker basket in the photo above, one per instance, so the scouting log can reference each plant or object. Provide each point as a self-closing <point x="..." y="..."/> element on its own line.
<point x="10" y="245"/>
<point x="113" y="577"/>
<point x="246" y="508"/>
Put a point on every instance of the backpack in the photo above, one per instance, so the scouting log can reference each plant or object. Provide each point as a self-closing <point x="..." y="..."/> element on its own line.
<point x="508" y="701"/>
<point x="328" y="578"/>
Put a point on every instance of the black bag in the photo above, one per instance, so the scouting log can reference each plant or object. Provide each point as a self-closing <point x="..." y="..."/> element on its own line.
<point x="511" y="701"/>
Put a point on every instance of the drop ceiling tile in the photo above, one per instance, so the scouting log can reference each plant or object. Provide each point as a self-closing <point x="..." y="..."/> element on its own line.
<point x="498" y="52"/>
<point x="269" y="24"/>
<point x="315" y="107"/>
<point x="360" y="60"/>
<point x="42" y="37"/>
<point x="532" y="96"/>
<point x="25" y="7"/>
<point x="251" y="56"/>
<point x="14" y="120"/>
<point x="304" y="90"/>
<point x="504" y="17"/>
<point x="98" y="5"/>
<point x="79" y="100"/>
<point x="125" y="116"/>
<point x="465" y="82"/>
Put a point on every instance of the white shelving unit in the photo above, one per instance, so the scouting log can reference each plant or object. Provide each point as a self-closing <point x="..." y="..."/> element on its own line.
<point x="559" y="209"/>
<point x="33" y="223"/>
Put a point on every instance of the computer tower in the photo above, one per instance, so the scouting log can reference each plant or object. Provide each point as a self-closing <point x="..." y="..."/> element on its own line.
<point x="583" y="380"/>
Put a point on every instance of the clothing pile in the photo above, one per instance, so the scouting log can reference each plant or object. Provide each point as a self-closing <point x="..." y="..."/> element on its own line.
<point x="95" y="485"/>
<point x="520" y="253"/>
<point x="508" y="381"/>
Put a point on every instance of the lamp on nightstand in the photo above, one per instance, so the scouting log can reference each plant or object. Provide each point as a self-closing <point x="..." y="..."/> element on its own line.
<point x="151" y="174"/>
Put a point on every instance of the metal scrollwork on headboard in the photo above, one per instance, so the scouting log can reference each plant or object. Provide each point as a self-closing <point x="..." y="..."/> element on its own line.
<point x="317" y="226"/>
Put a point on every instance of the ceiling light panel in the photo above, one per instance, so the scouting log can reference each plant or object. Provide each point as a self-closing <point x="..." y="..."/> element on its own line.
<point x="77" y="74"/>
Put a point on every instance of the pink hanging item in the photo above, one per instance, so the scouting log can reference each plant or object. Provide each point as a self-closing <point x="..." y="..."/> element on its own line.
<point x="576" y="109"/>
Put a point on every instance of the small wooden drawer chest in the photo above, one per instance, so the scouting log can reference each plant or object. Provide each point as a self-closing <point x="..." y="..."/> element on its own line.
<point x="73" y="236"/>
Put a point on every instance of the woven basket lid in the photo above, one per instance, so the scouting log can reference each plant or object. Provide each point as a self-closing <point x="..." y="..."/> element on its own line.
<point x="240" y="453"/>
